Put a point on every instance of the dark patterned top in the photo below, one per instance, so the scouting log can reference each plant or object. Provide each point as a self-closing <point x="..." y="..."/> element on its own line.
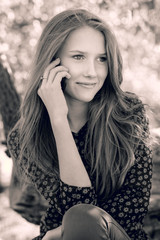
<point x="127" y="206"/>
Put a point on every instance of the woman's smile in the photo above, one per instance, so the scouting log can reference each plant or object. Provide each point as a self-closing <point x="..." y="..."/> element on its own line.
<point x="86" y="84"/>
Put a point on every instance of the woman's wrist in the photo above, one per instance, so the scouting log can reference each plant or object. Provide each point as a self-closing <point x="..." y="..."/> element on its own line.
<point x="59" y="122"/>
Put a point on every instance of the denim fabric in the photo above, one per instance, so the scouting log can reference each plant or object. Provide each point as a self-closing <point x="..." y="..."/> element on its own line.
<point x="88" y="222"/>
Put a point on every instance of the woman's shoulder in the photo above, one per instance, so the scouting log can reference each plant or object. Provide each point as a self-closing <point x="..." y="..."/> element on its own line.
<point x="133" y="100"/>
<point x="139" y="114"/>
<point x="135" y="106"/>
<point x="13" y="135"/>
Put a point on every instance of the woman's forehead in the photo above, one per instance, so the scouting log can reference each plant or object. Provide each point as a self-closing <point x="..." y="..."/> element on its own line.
<point x="85" y="39"/>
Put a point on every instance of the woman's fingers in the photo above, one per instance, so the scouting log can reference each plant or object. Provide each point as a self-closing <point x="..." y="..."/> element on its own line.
<point x="56" y="78"/>
<point x="51" y="81"/>
<point x="54" y="67"/>
<point x="50" y="66"/>
<point x="55" y="83"/>
<point x="51" y="92"/>
<point x="57" y="72"/>
<point x="51" y="72"/>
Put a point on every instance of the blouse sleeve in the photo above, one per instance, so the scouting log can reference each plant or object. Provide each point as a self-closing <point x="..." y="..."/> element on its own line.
<point x="72" y="195"/>
<point x="45" y="183"/>
<point x="58" y="194"/>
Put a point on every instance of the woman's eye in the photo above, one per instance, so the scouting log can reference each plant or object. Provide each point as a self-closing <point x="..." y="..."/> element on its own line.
<point x="78" y="57"/>
<point x="102" y="59"/>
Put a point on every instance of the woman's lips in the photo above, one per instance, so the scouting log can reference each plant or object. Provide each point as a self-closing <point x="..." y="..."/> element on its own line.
<point x="86" y="85"/>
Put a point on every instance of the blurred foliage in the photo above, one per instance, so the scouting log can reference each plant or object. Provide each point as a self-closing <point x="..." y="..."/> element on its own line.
<point x="135" y="23"/>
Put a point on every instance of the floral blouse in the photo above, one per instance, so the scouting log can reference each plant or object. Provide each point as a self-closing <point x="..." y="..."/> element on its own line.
<point x="128" y="205"/>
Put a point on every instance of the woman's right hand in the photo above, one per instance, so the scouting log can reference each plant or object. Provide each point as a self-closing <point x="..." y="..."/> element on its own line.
<point x="51" y="92"/>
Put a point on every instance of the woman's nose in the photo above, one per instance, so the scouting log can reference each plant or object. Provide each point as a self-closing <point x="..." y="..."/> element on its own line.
<point x="90" y="69"/>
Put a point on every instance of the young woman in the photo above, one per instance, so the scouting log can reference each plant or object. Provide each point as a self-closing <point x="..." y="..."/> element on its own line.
<point x="81" y="140"/>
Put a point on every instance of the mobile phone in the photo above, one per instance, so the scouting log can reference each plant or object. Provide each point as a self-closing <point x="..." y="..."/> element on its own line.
<point x="63" y="84"/>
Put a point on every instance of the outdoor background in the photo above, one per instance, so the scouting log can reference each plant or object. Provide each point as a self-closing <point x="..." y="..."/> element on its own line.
<point x="137" y="27"/>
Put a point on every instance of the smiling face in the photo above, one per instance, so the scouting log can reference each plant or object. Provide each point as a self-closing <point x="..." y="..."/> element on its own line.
<point x="84" y="55"/>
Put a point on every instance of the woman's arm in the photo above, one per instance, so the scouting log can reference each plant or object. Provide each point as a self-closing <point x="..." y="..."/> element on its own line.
<point x="72" y="170"/>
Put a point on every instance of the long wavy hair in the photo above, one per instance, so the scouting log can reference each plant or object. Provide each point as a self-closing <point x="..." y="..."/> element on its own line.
<point x="111" y="136"/>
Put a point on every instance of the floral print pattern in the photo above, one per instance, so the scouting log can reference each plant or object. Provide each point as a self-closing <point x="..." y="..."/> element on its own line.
<point x="127" y="206"/>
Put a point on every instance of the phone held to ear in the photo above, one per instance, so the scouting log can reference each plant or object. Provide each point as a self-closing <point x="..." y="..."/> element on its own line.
<point x="63" y="84"/>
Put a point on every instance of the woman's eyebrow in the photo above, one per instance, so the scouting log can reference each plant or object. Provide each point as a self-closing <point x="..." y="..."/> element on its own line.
<point x="81" y="52"/>
<point x="77" y="51"/>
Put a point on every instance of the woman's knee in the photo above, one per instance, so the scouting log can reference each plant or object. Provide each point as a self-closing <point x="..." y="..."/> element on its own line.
<point x="86" y="213"/>
<point x="84" y="221"/>
<point x="90" y="222"/>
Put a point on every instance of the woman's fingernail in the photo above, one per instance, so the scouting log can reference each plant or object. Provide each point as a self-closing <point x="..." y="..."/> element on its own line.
<point x="68" y="75"/>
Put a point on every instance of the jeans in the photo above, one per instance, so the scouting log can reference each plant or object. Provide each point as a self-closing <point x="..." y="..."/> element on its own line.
<point x="88" y="222"/>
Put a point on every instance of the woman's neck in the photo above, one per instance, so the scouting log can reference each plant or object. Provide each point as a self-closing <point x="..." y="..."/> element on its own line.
<point x="77" y="115"/>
